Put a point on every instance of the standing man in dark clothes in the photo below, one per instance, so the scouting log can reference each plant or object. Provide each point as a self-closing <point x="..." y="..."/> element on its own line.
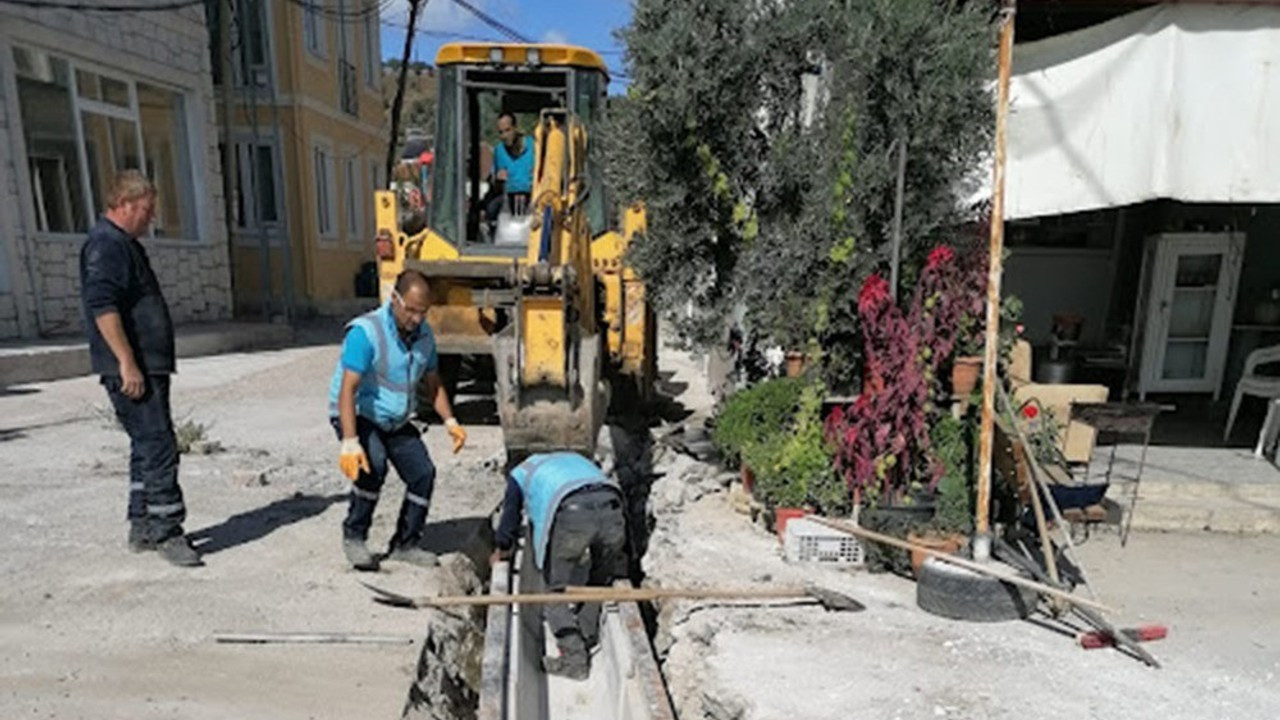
<point x="131" y="348"/>
<point x="579" y="538"/>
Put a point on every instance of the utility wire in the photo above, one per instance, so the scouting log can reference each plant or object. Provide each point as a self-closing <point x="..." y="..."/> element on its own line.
<point x="344" y="16"/>
<point x="492" y="22"/>
<point x="106" y="8"/>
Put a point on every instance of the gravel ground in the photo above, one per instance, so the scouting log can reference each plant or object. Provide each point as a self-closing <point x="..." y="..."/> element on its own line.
<point x="89" y="630"/>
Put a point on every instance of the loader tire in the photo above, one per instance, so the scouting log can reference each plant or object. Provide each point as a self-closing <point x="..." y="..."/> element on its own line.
<point x="960" y="594"/>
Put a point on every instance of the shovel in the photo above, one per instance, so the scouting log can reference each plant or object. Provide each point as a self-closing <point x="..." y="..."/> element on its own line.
<point x="828" y="599"/>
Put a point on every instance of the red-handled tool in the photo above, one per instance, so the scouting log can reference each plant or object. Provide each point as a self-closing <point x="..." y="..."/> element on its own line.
<point x="1099" y="639"/>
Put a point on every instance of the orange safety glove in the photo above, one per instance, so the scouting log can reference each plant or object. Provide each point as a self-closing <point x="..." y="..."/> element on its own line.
<point x="457" y="433"/>
<point x="351" y="458"/>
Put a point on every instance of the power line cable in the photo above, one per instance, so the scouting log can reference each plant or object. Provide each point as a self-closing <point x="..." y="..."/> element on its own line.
<point x="492" y="22"/>
<point x="105" y="8"/>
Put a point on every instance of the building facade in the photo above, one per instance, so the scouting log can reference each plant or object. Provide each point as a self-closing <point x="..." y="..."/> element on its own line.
<point x="307" y="123"/>
<point x="82" y="96"/>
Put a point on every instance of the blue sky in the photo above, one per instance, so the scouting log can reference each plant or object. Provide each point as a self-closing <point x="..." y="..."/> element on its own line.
<point x="589" y="23"/>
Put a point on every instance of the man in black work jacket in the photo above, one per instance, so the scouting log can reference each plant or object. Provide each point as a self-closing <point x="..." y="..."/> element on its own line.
<point x="131" y="348"/>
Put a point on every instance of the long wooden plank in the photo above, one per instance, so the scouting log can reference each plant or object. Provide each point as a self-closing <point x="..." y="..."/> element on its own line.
<point x="988" y="570"/>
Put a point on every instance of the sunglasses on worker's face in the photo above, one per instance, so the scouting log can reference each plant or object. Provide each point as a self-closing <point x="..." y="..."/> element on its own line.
<point x="420" y="312"/>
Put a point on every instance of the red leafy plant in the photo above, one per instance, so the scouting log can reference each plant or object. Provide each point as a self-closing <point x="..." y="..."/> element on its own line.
<point x="882" y="439"/>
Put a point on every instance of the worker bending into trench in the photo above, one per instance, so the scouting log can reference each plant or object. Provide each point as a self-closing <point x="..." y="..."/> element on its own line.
<point x="579" y="537"/>
<point x="372" y="400"/>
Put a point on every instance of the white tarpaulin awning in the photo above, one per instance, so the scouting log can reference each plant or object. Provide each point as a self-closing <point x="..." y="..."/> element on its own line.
<point x="1175" y="101"/>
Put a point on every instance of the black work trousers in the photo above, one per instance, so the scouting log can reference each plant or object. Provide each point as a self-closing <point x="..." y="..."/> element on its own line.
<point x="588" y="546"/>
<point x="155" y="499"/>
<point x="404" y="449"/>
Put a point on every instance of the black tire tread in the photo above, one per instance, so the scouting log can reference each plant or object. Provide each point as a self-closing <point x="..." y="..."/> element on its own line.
<point x="960" y="594"/>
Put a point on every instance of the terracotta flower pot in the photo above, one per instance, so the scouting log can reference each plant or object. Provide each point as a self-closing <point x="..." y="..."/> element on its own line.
<point x="783" y="515"/>
<point x="964" y="374"/>
<point x="949" y="543"/>
<point x="795" y="363"/>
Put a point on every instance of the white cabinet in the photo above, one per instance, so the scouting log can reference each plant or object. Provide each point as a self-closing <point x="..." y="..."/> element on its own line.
<point x="1186" y="298"/>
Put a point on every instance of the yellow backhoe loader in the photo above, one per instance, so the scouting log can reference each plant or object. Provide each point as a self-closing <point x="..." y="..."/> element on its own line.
<point x="543" y="289"/>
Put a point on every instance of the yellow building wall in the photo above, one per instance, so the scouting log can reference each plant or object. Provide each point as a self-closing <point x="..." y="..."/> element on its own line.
<point x="309" y="112"/>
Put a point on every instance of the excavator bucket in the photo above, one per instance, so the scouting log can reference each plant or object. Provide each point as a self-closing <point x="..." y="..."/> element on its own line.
<point x="546" y="418"/>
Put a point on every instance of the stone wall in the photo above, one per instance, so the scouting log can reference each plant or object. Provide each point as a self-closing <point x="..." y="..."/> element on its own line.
<point x="40" y="293"/>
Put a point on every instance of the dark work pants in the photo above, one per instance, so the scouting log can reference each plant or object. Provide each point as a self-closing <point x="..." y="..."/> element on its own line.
<point x="404" y="449"/>
<point x="588" y="546"/>
<point x="155" y="500"/>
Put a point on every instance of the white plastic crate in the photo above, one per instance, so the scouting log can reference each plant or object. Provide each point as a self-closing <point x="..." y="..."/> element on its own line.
<point x="808" y="541"/>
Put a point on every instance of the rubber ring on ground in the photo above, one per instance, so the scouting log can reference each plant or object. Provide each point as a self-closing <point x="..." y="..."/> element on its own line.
<point x="960" y="594"/>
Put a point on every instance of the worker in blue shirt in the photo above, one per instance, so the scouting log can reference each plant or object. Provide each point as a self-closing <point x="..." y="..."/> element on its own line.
<point x="372" y="399"/>
<point x="512" y="170"/>
<point x="579" y="537"/>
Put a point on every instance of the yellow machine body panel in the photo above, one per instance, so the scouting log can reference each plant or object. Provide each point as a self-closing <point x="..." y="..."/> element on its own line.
<point x="543" y="350"/>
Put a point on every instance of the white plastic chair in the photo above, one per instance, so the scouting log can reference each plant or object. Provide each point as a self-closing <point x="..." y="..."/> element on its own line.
<point x="1256" y="385"/>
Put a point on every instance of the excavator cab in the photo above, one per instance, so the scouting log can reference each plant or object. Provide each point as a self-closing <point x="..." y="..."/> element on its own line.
<point x="531" y="273"/>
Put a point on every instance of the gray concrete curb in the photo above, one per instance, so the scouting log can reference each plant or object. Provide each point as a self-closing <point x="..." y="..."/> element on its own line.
<point x="45" y="360"/>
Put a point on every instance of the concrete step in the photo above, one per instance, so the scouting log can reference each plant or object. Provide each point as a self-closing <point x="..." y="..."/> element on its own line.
<point x="66" y="357"/>
<point x="1215" y="515"/>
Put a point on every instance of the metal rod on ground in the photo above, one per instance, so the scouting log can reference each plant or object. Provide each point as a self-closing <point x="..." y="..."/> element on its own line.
<point x="982" y="568"/>
<point x="315" y="638"/>
<point x="1037" y="476"/>
<point x="982" y="526"/>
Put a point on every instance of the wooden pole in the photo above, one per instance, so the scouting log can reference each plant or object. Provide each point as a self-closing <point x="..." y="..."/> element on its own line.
<point x="982" y="525"/>
<point x="415" y="7"/>
<point x="988" y="569"/>
<point x="898" y="200"/>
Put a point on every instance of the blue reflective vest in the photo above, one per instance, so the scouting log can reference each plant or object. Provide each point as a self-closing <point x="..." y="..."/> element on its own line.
<point x="388" y="396"/>
<point x="545" y="480"/>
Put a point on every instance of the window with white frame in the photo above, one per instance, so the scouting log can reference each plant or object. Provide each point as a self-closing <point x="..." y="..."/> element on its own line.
<point x="326" y="191"/>
<point x="372" y="47"/>
<point x="313" y="26"/>
<point x="257" y="201"/>
<point x="355" y="193"/>
<point x="249" y="44"/>
<point x="82" y="125"/>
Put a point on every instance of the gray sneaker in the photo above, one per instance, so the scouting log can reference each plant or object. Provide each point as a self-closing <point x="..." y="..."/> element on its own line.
<point x="178" y="551"/>
<point x="139" y="541"/>
<point x="358" y="555"/>
<point x="414" y="556"/>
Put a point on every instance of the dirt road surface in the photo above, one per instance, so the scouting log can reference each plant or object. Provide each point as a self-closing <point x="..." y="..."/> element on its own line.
<point x="89" y="630"/>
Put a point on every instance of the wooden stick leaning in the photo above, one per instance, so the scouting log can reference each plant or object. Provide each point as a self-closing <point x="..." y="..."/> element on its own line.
<point x="1038" y="477"/>
<point x="989" y="570"/>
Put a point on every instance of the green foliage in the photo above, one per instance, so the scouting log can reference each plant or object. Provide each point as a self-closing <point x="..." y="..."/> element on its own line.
<point x="797" y="468"/>
<point x="769" y="205"/>
<point x="752" y="417"/>
<point x="189" y="434"/>
<point x="951" y="446"/>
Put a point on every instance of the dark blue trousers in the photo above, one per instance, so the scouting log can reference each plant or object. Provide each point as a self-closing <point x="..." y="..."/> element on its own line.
<point x="404" y="449"/>
<point x="155" y="499"/>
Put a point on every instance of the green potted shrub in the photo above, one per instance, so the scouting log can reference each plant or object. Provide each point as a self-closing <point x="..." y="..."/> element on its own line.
<point x="795" y="469"/>
<point x="752" y="417"/>
<point x="952" y="520"/>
